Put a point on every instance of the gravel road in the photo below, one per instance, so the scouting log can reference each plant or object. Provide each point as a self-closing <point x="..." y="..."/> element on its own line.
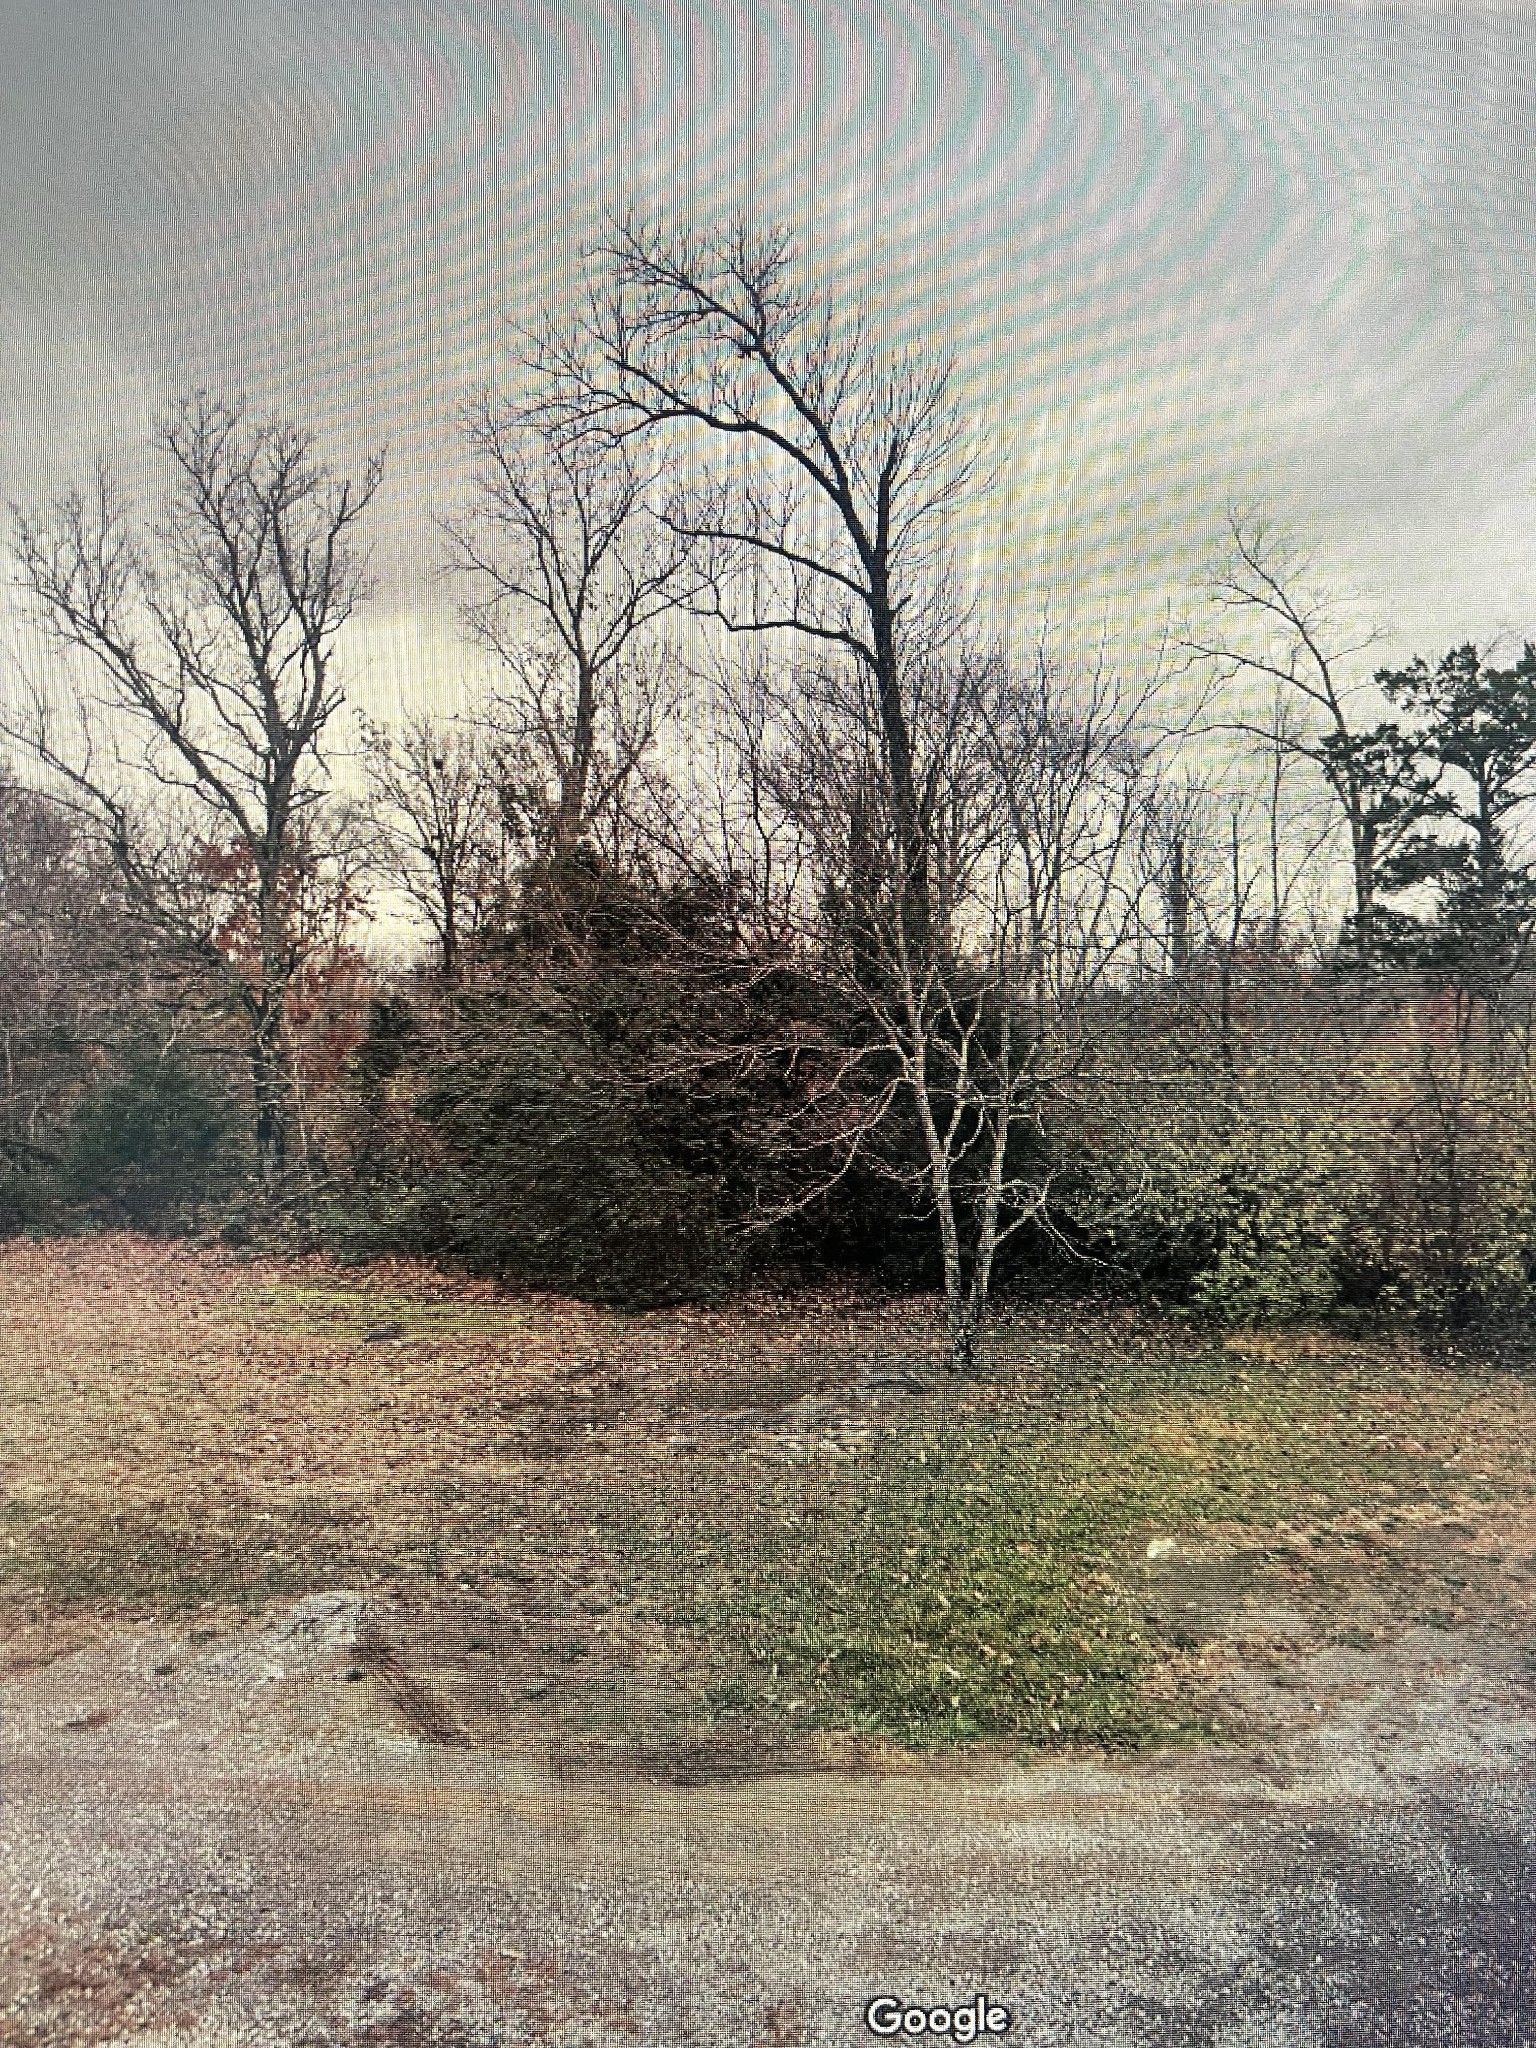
<point x="236" y="1842"/>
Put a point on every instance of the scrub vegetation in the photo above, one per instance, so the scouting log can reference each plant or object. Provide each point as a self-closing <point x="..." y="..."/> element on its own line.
<point x="727" y="1532"/>
<point x="1035" y="1030"/>
<point x="755" y="909"/>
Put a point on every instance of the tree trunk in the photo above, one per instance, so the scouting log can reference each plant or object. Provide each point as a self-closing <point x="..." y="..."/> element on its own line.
<point x="271" y="1121"/>
<point x="572" y="814"/>
<point x="911" y="849"/>
<point x="449" y="935"/>
<point x="960" y="1306"/>
<point x="964" y="1322"/>
<point x="1364" y="836"/>
<point x="1178" y="911"/>
<point x="268" y="1080"/>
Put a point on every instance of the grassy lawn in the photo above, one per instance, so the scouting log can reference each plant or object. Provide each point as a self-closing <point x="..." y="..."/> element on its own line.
<point x="708" y="1500"/>
<point x="981" y="1572"/>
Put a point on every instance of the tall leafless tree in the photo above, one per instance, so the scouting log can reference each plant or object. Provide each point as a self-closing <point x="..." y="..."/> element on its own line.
<point x="207" y="685"/>
<point x="827" y="464"/>
<point x="433" y="786"/>
<point x="1272" y="624"/>
<point x="566" y="565"/>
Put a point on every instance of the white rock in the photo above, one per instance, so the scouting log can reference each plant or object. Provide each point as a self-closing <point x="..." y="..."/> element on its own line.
<point x="323" y="1621"/>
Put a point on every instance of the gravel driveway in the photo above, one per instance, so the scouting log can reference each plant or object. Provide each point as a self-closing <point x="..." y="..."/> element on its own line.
<point x="236" y="1842"/>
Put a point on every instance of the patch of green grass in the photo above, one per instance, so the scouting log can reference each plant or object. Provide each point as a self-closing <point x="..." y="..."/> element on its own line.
<point x="144" y="1562"/>
<point x="963" y="1603"/>
<point x="333" y="1309"/>
<point x="981" y="1575"/>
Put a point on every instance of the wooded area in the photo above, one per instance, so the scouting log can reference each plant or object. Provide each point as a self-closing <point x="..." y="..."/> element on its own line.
<point x="866" y="943"/>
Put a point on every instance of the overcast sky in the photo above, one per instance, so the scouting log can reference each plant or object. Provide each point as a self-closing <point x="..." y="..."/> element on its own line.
<point x="1183" y="254"/>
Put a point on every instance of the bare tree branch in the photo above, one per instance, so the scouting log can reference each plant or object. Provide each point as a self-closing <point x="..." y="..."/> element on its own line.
<point x="213" y="642"/>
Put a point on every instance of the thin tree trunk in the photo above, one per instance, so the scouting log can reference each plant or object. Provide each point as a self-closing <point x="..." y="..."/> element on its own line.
<point x="963" y="1350"/>
<point x="962" y="1334"/>
<point x="1178" y="912"/>
<point x="271" y="1121"/>
<point x="572" y="814"/>
<point x="449" y="934"/>
<point x="269" y="1080"/>
<point x="961" y="1303"/>
<point x="911" y="849"/>
<point x="1363" y="836"/>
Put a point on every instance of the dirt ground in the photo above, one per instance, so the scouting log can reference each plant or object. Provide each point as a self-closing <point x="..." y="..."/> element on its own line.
<point x="250" y="1847"/>
<point x="388" y="1812"/>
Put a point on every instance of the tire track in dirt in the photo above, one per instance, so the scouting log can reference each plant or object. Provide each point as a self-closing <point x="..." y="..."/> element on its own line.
<point x="250" y="1853"/>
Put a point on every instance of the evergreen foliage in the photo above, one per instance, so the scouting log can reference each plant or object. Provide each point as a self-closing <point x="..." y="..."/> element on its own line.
<point x="148" y="1145"/>
<point x="1476" y="731"/>
<point x="591" y="1112"/>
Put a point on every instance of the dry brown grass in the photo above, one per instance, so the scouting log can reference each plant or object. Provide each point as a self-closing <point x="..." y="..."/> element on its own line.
<point x="574" y="1508"/>
<point x="185" y="1429"/>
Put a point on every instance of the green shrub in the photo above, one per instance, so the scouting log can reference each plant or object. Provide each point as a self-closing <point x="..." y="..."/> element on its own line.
<point x="560" y="1177"/>
<point x="1237" y="1208"/>
<point x="28" y="1185"/>
<point x="1448" y="1226"/>
<point x="577" y="1114"/>
<point x="151" y="1143"/>
<point x="1397" y="1176"/>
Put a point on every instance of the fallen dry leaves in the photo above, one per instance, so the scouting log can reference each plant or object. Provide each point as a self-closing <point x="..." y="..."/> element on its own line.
<point x="176" y="1421"/>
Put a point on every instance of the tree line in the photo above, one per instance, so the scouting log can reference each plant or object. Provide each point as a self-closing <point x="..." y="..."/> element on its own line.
<point x="917" y="952"/>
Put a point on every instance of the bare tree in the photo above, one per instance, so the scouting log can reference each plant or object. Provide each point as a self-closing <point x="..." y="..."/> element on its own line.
<point x="1032" y="808"/>
<point x="210" y="681"/>
<point x="1273" y="624"/>
<point x="1080" y="773"/>
<point x="433" y="786"/>
<point x="831" y="525"/>
<point x="932" y="880"/>
<point x="78" y="976"/>
<point x="566" y="565"/>
<point x="1298" y="828"/>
